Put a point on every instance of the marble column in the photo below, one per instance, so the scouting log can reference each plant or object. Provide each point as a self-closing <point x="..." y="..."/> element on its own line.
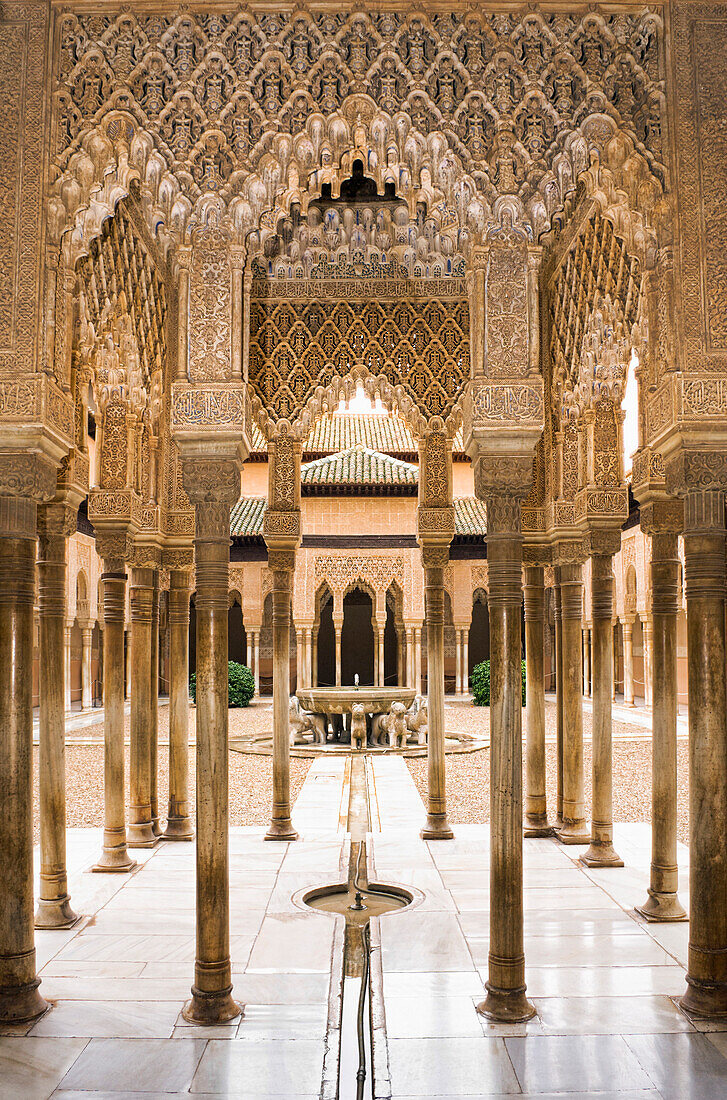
<point x="256" y="651"/>
<point x="400" y="656"/>
<point x="458" y="662"/>
<point x="628" y="637"/>
<point x="86" y="684"/>
<point x="704" y="534"/>
<point x="179" y="823"/>
<point x="381" y="662"/>
<point x="54" y="904"/>
<point x="558" y="701"/>
<point x="212" y="1001"/>
<point x="67" y="636"/>
<point x="282" y="565"/>
<point x="536" y="810"/>
<point x="601" y="852"/>
<point x="663" y="902"/>
<point x="375" y="632"/>
<point x="140" y="831"/>
<point x="126" y="670"/>
<point x="589" y="661"/>
<point x="437" y="827"/>
<point x="584" y="651"/>
<point x="338" y="627"/>
<point x="154" y="707"/>
<point x="409" y="657"/>
<point x="506" y="991"/>
<point x="465" y="662"/>
<point x="314" y="658"/>
<point x="648" y="642"/>
<point x="19" y="997"/>
<point x="114" y="856"/>
<point x="299" y="675"/>
<point x="574" y="829"/>
<point x="418" y="660"/>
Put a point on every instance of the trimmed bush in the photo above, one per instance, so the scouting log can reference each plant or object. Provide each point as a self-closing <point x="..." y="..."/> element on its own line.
<point x="240" y="685"/>
<point x="480" y="684"/>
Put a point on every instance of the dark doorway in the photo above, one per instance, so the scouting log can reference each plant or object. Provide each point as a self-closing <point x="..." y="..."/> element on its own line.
<point x="236" y="636"/>
<point x="326" y="646"/>
<point x="357" y="638"/>
<point x="479" y="642"/>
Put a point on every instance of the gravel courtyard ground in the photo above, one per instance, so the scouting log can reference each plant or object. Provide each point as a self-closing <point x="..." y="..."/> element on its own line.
<point x="468" y="787"/>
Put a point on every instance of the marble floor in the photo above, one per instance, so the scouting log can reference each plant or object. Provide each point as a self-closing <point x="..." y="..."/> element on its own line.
<point x="604" y="983"/>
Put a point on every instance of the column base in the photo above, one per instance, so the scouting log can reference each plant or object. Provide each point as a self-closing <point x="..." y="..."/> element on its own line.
<point x="662" y="907"/>
<point x="156" y="827"/>
<point x="703" y="998"/>
<point x="537" y="825"/>
<point x="55" y="914"/>
<point x="207" y="1009"/>
<point x="114" y="859"/>
<point x="601" y="855"/>
<point x="437" y="828"/>
<point x="21" y="1004"/>
<point x="179" y="828"/>
<point x="506" y="1006"/>
<point x="281" y="829"/>
<point x="573" y="832"/>
<point x="141" y="836"/>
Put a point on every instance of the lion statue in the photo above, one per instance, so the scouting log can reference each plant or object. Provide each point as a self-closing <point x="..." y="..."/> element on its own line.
<point x="417" y="719"/>
<point x="302" y="722"/>
<point x="391" y="726"/>
<point x="358" y="726"/>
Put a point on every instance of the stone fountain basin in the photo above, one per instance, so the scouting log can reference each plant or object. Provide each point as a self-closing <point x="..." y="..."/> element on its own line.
<point x="339" y="700"/>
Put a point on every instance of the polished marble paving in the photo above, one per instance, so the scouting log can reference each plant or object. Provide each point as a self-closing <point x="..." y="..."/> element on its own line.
<point x="605" y="984"/>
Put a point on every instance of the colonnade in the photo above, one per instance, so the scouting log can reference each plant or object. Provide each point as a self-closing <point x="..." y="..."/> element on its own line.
<point x="629" y="680"/>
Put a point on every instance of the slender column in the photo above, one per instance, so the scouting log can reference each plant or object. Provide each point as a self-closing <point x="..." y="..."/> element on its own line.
<point x="19" y="996"/>
<point x="663" y="902"/>
<point x="314" y="657"/>
<point x="704" y="535"/>
<point x="536" y="810"/>
<point x="601" y="852"/>
<point x="67" y="634"/>
<point x="409" y="656"/>
<point x="54" y="904"/>
<point x="648" y="637"/>
<point x="299" y="675"/>
<point x="574" y="829"/>
<point x="86" y="644"/>
<point x="558" y="700"/>
<point x="256" y="650"/>
<point x="465" y="662"/>
<point x="589" y="661"/>
<point x="140" y="831"/>
<point x="126" y="668"/>
<point x="179" y="823"/>
<point x="399" y="656"/>
<point x="114" y="856"/>
<point x="212" y="1001"/>
<point x="418" y="660"/>
<point x="458" y="663"/>
<point x="154" y="707"/>
<point x="338" y="626"/>
<point x="375" y="631"/>
<point x="506" y="992"/>
<point x="628" y="636"/>
<point x="282" y="565"/>
<point x="436" y="827"/>
<point x="382" y="666"/>
<point x="584" y="647"/>
<point x="308" y="657"/>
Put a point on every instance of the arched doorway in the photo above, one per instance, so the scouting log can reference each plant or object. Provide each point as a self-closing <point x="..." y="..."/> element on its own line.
<point x="236" y="633"/>
<point x="479" y="640"/>
<point x="326" y="640"/>
<point x="357" y="638"/>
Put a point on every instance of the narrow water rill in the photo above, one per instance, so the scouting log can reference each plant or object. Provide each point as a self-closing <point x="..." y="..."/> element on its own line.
<point x="361" y="902"/>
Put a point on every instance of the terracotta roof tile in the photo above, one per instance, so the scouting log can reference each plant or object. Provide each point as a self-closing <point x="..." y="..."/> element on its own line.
<point x="470" y="516"/>
<point x="359" y="466"/>
<point x="335" y="432"/>
<point x="246" y="517"/>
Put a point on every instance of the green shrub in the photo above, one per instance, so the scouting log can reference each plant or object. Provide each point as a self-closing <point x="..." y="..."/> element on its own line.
<point x="240" y="685"/>
<point x="480" y="684"/>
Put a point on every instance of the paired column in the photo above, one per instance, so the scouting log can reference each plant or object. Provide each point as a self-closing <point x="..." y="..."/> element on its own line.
<point x="574" y="829"/>
<point x="282" y="565"/>
<point x="338" y="627"/>
<point x="437" y="826"/>
<point x="601" y="852"/>
<point x="114" y="855"/>
<point x="154" y="706"/>
<point x="179" y="824"/>
<point x="212" y="1001"/>
<point x="536" y="815"/>
<point x="628" y="637"/>
<point x="506" y="992"/>
<point x="19" y="996"/>
<point x="86" y="683"/>
<point x="663" y="902"/>
<point x="647" y="633"/>
<point x="704" y="535"/>
<point x="558" y="700"/>
<point x="141" y="829"/>
<point x="67" y="639"/>
<point x="54" y="904"/>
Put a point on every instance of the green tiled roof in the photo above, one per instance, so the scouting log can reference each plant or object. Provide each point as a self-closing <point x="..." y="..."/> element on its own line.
<point x="335" y="432"/>
<point x="359" y="466"/>
<point x="470" y="516"/>
<point x="246" y="518"/>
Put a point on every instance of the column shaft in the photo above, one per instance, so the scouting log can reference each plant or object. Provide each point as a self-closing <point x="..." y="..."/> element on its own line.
<point x="506" y="993"/>
<point x="212" y="1001"/>
<point x="314" y="658"/>
<point x="54" y="904"/>
<point x="705" y="580"/>
<point x="179" y="824"/>
<point x="589" y="661"/>
<point x="536" y="815"/>
<point x="86" y="692"/>
<point x="154" y="707"/>
<point x="601" y="852"/>
<point x="465" y="662"/>
<point x="19" y="996"/>
<point x="338" y="626"/>
<point x="558" y="701"/>
<point x="647" y="634"/>
<point x="418" y="660"/>
<point x="574" y="829"/>
<point x="458" y="662"/>
<point x="382" y="667"/>
<point x="114" y="856"/>
<point x="281" y="826"/>
<point x="628" y="637"/>
<point x="140" y="831"/>
<point x="437" y="826"/>
<point x="67" y="636"/>
<point x="663" y="902"/>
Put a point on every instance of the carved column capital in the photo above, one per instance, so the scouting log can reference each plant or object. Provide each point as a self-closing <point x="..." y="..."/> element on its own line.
<point x="281" y="561"/>
<point x="602" y="541"/>
<point x="57" y="519"/>
<point x="662" y="516"/>
<point x="213" y="480"/>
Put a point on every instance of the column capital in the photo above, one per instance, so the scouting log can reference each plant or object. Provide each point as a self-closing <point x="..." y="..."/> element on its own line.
<point x="434" y="556"/>
<point x="58" y="518"/>
<point x="178" y="559"/>
<point x="662" y="517"/>
<point x="281" y="561"/>
<point x="602" y="541"/>
<point x="569" y="552"/>
<point x="212" y="480"/>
